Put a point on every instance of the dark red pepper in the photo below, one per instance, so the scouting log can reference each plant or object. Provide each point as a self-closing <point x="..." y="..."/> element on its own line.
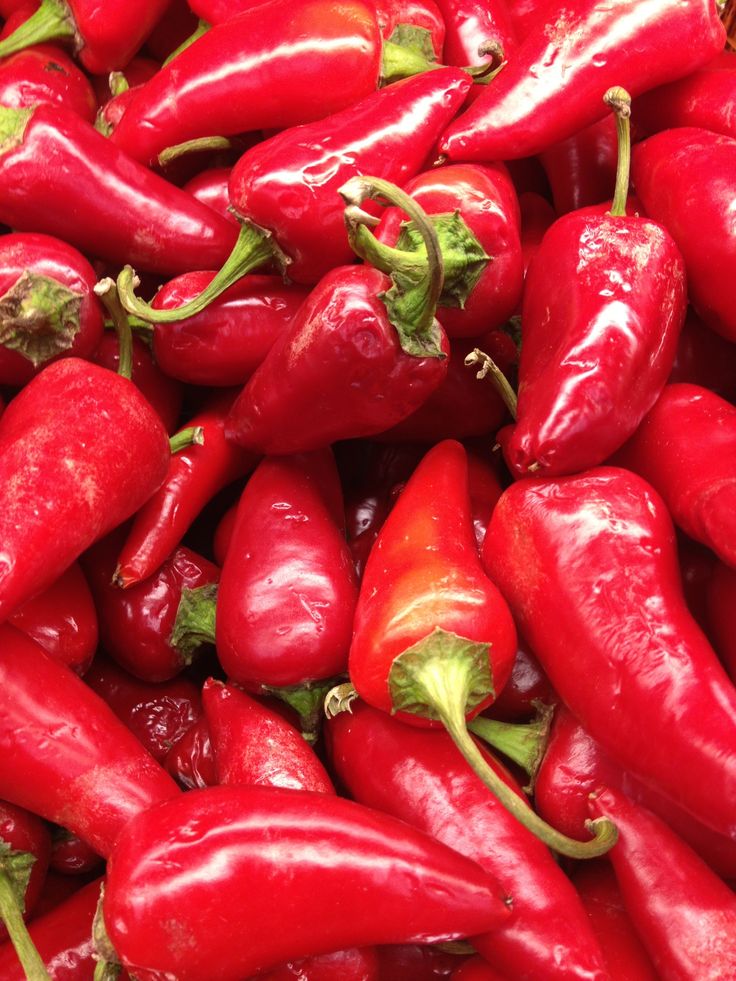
<point x="354" y="964"/>
<point x="192" y="760"/>
<point x="721" y="602"/>
<point x="705" y="358"/>
<point x="211" y="188"/>
<point x="46" y="74"/>
<point x="582" y="169"/>
<point x="72" y="856"/>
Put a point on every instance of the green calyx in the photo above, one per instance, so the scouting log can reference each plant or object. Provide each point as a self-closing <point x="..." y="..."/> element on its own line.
<point x="107" y="967"/>
<point x="308" y="702"/>
<point x="39" y="317"/>
<point x="194" y="625"/>
<point x="407" y="52"/>
<point x="525" y="745"/>
<point x="52" y="21"/>
<point x="17" y="867"/>
<point x="13" y="124"/>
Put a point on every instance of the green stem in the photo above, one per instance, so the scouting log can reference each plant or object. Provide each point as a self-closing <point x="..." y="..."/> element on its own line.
<point x="52" y="21"/>
<point x="172" y="153"/>
<point x="308" y="701"/>
<point x="118" y="83"/>
<point x="201" y="28"/>
<point x="30" y="959"/>
<point x="192" y="436"/>
<point x="108" y="293"/>
<point x="501" y="382"/>
<point x="105" y="971"/>
<point x="620" y="101"/>
<point x="253" y="248"/>
<point x="523" y="744"/>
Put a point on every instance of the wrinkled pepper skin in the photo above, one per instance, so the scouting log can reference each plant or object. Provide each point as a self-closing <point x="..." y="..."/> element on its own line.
<point x="277" y="67"/>
<point x="191" y="762"/>
<point x="339" y="874"/>
<point x="65" y="756"/>
<point x="45" y="74"/>
<point x="471" y="23"/>
<point x="667" y="171"/>
<point x="59" y="463"/>
<point x="554" y="85"/>
<point x="419" y="777"/>
<point x="699" y="488"/>
<point x="114" y="208"/>
<point x="683" y="912"/>
<point x="288" y="590"/>
<point x="595" y="555"/>
<point x="347" y="374"/>
<point x="604" y="303"/>
<point x="389" y="134"/>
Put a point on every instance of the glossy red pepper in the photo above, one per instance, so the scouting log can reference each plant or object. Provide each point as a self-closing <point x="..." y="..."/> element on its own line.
<point x="288" y="591"/>
<point x="354" y="964"/>
<point x="159" y="715"/>
<point x="72" y="856"/>
<point x="223" y="535"/>
<point x="46" y="74"/>
<point x="104" y="36"/>
<point x="25" y="852"/>
<point x="705" y="358"/>
<point x="48" y="309"/>
<point x="604" y="303"/>
<point x="338" y="874"/>
<point x="418" y="23"/>
<point x="527" y="686"/>
<point x="721" y="600"/>
<point x="255" y="746"/>
<point x="582" y="169"/>
<point x="537" y="215"/>
<point x="211" y="188"/>
<point x="65" y="754"/>
<point x="114" y="208"/>
<point x="192" y="760"/>
<point x="272" y="66"/>
<point x="525" y="15"/>
<point x="653" y="693"/>
<point x="419" y="777"/>
<point x="696" y="569"/>
<point x="475" y="24"/>
<point x="699" y="488"/>
<point x="485" y="490"/>
<point x="147" y="627"/>
<point x="101" y="474"/>
<point x="225" y="343"/>
<point x="625" y="954"/>
<point x="667" y="170"/>
<point x="683" y="912"/>
<point x="194" y="476"/>
<point x="114" y="107"/>
<point x="420" y="962"/>
<point x="574" y="52"/>
<point x="62" y="620"/>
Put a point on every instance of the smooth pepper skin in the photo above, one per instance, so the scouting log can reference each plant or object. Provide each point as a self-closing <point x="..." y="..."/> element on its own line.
<point x="683" y="912"/>
<point x="721" y="601"/>
<point x="419" y="777"/>
<point x="595" y="555"/>
<point x="422" y="573"/>
<point x="553" y="87"/>
<point x="338" y="874"/>
<point x="472" y="23"/>
<point x="337" y="372"/>
<point x="114" y="208"/>
<point x="604" y="304"/>
<point x="46" y="74"/>
<point x="667" y="171"/>
<point x="288" y="587"/>
<point x="61" y="466"/>
<point x="289" y="183"/>
<point x="276" y="67"/>
<point x="686" y="449"/>
<point x="65" y="755"/>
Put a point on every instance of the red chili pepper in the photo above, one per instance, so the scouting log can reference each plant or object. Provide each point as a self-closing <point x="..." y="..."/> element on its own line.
<point x="172" y="30"/>
<point x="48" y="309"/>
<point x="485" y="490"/>
<point x="705" y="358"/>
<point x="159" y="715"/>
<point x="338" y="874"/>
<point x="537" y="214"/>
<point x="46" y="74"/>
<point x="474" y="27"/>
<point x="56" y="889"/>
<point x="696" y="569"/>
<point x="223" y="535"/>
<point x="343" y="965"/>
<point x="279" y="67"/>
<point x="101" y="473"/>
<point x="574" y="52"/>
<point x="192" y="760"/>
<point x="66" y="756"/>
<point x="62" y="620"/>
<point x="114" y="107"/>
<point x="255" y="746"/>
<point x="527" y="686"/>
<point x="668" y="170"/>
<point x="582" y="169"/>
<point x="211" y="188"/>
<point x="418" y="776"/>
<point x="148" y="628"/>
<point x="698" y="488"/>
<point x="525" y="15"/>
<point x="625" y="954"/>
<point x="113" y="207"/>
<point x="195" y="475"/>
<point x="71" y="855"/>
<point x="288" y="591"/>
<point x="683" y="912"/>
<point x="25" y="852"/>
<point x="721" y="601"/>
<point x="595" y="555"/>
<point x="604" y="304"/>
<point x="417" y="24"/>
<point x="103" y="35"/>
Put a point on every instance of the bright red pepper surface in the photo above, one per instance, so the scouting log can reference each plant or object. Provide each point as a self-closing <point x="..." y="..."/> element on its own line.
<point x="71" y="856"/>
<point x="354" y="964"/>
<point x="472" y="23"/>
<point x="45" y="74"/>
<point x="721" y="600"/>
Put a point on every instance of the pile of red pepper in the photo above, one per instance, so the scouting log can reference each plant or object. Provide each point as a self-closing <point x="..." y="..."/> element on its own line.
<point x="368" y="588"/>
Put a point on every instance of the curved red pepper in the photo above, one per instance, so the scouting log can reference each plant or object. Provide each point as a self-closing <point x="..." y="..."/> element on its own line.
<point x="527" y="685"/>
<point x="48" y="309"/>
<point x="582" y="169"/>
<point x="255" y="746"/>
<point x="195" y="475"/>
<point x="65" y="754"/>
<point x="667" y="171"/>
<point x="113" y="207"/>
<point x="537" y="215"/>
<point x="683" y="912"/>
<point x="211" y="188"/>
<point x="101" y="473"/>
<point x="595" y="555"/>
<point x="471" y="24"/>
<point x="192" y="760"/>
<point x="705" y="358"/>
<point x="721" y="600"/>
<point x="71" y="855"/>
<point x="46" y="74"/>
<point x="338" y="874"/>
<point x="576" y="50"/>
<point x="287" y="592"/>
<point x="419" y="777"/>
<point x="699" y="489"/>
<point x="62" y="620"/>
